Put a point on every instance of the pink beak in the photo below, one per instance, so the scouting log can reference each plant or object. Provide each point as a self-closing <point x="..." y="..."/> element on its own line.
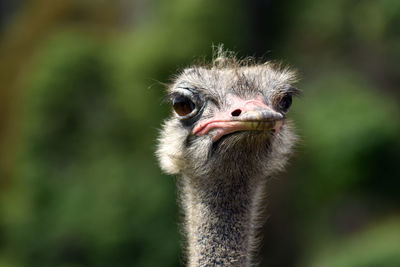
<point x="243" y="115"/>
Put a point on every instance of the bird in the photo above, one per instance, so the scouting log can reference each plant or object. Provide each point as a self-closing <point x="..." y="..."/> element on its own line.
<point x="228" y="134"/>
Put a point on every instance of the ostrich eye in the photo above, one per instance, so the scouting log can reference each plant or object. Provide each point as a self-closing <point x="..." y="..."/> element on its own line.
<point x="285" y="102"/>
<point x="183" y="106"/>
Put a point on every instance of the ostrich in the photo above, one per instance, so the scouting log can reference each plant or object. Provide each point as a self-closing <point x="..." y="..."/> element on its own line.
<point x="228" y="134"/>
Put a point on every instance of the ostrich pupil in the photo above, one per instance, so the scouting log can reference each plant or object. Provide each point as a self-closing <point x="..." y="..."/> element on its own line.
<point x="183" y="106"/>
<point x="286" y="102"/>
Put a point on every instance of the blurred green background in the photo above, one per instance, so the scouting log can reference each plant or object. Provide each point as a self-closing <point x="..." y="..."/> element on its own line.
<point x="81" y="105"/>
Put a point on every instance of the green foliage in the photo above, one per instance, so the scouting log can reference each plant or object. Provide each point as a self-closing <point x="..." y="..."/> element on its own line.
<point x="378" y="246"/>
<point x="344" y="123"/>
<point x="88" y="191"/>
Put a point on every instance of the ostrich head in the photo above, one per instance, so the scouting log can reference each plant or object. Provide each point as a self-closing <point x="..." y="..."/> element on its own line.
<point x="229" y="120"/>
<point x="227" y="134"/>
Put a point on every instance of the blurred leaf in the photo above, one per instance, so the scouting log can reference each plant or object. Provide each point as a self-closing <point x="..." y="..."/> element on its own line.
<point x="377" y="246"/>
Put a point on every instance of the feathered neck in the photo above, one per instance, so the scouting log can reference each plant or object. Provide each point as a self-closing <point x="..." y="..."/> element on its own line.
<point x="221" y="219"/>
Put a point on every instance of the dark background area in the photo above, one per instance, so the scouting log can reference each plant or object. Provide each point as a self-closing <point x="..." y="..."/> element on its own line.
<point x="81" y="104"/>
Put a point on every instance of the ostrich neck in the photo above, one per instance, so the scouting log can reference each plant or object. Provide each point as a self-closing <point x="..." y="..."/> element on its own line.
<point x="220" y="218"/>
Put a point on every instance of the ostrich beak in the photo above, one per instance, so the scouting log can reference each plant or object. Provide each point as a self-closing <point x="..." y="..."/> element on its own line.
<point x="244" y="115"/>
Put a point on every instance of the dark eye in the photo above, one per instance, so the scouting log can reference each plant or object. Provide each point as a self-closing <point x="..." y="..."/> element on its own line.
<point x="285" y="102"/>
<point x="183" y="106"/>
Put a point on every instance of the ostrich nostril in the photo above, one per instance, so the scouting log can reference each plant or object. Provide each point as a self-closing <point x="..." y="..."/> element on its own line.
<point x="236" y="112"/>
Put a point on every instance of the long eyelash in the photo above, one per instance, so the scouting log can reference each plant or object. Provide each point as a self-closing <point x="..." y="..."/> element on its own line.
<point x="169" y="97"/>
<point x="294" y="91"/>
